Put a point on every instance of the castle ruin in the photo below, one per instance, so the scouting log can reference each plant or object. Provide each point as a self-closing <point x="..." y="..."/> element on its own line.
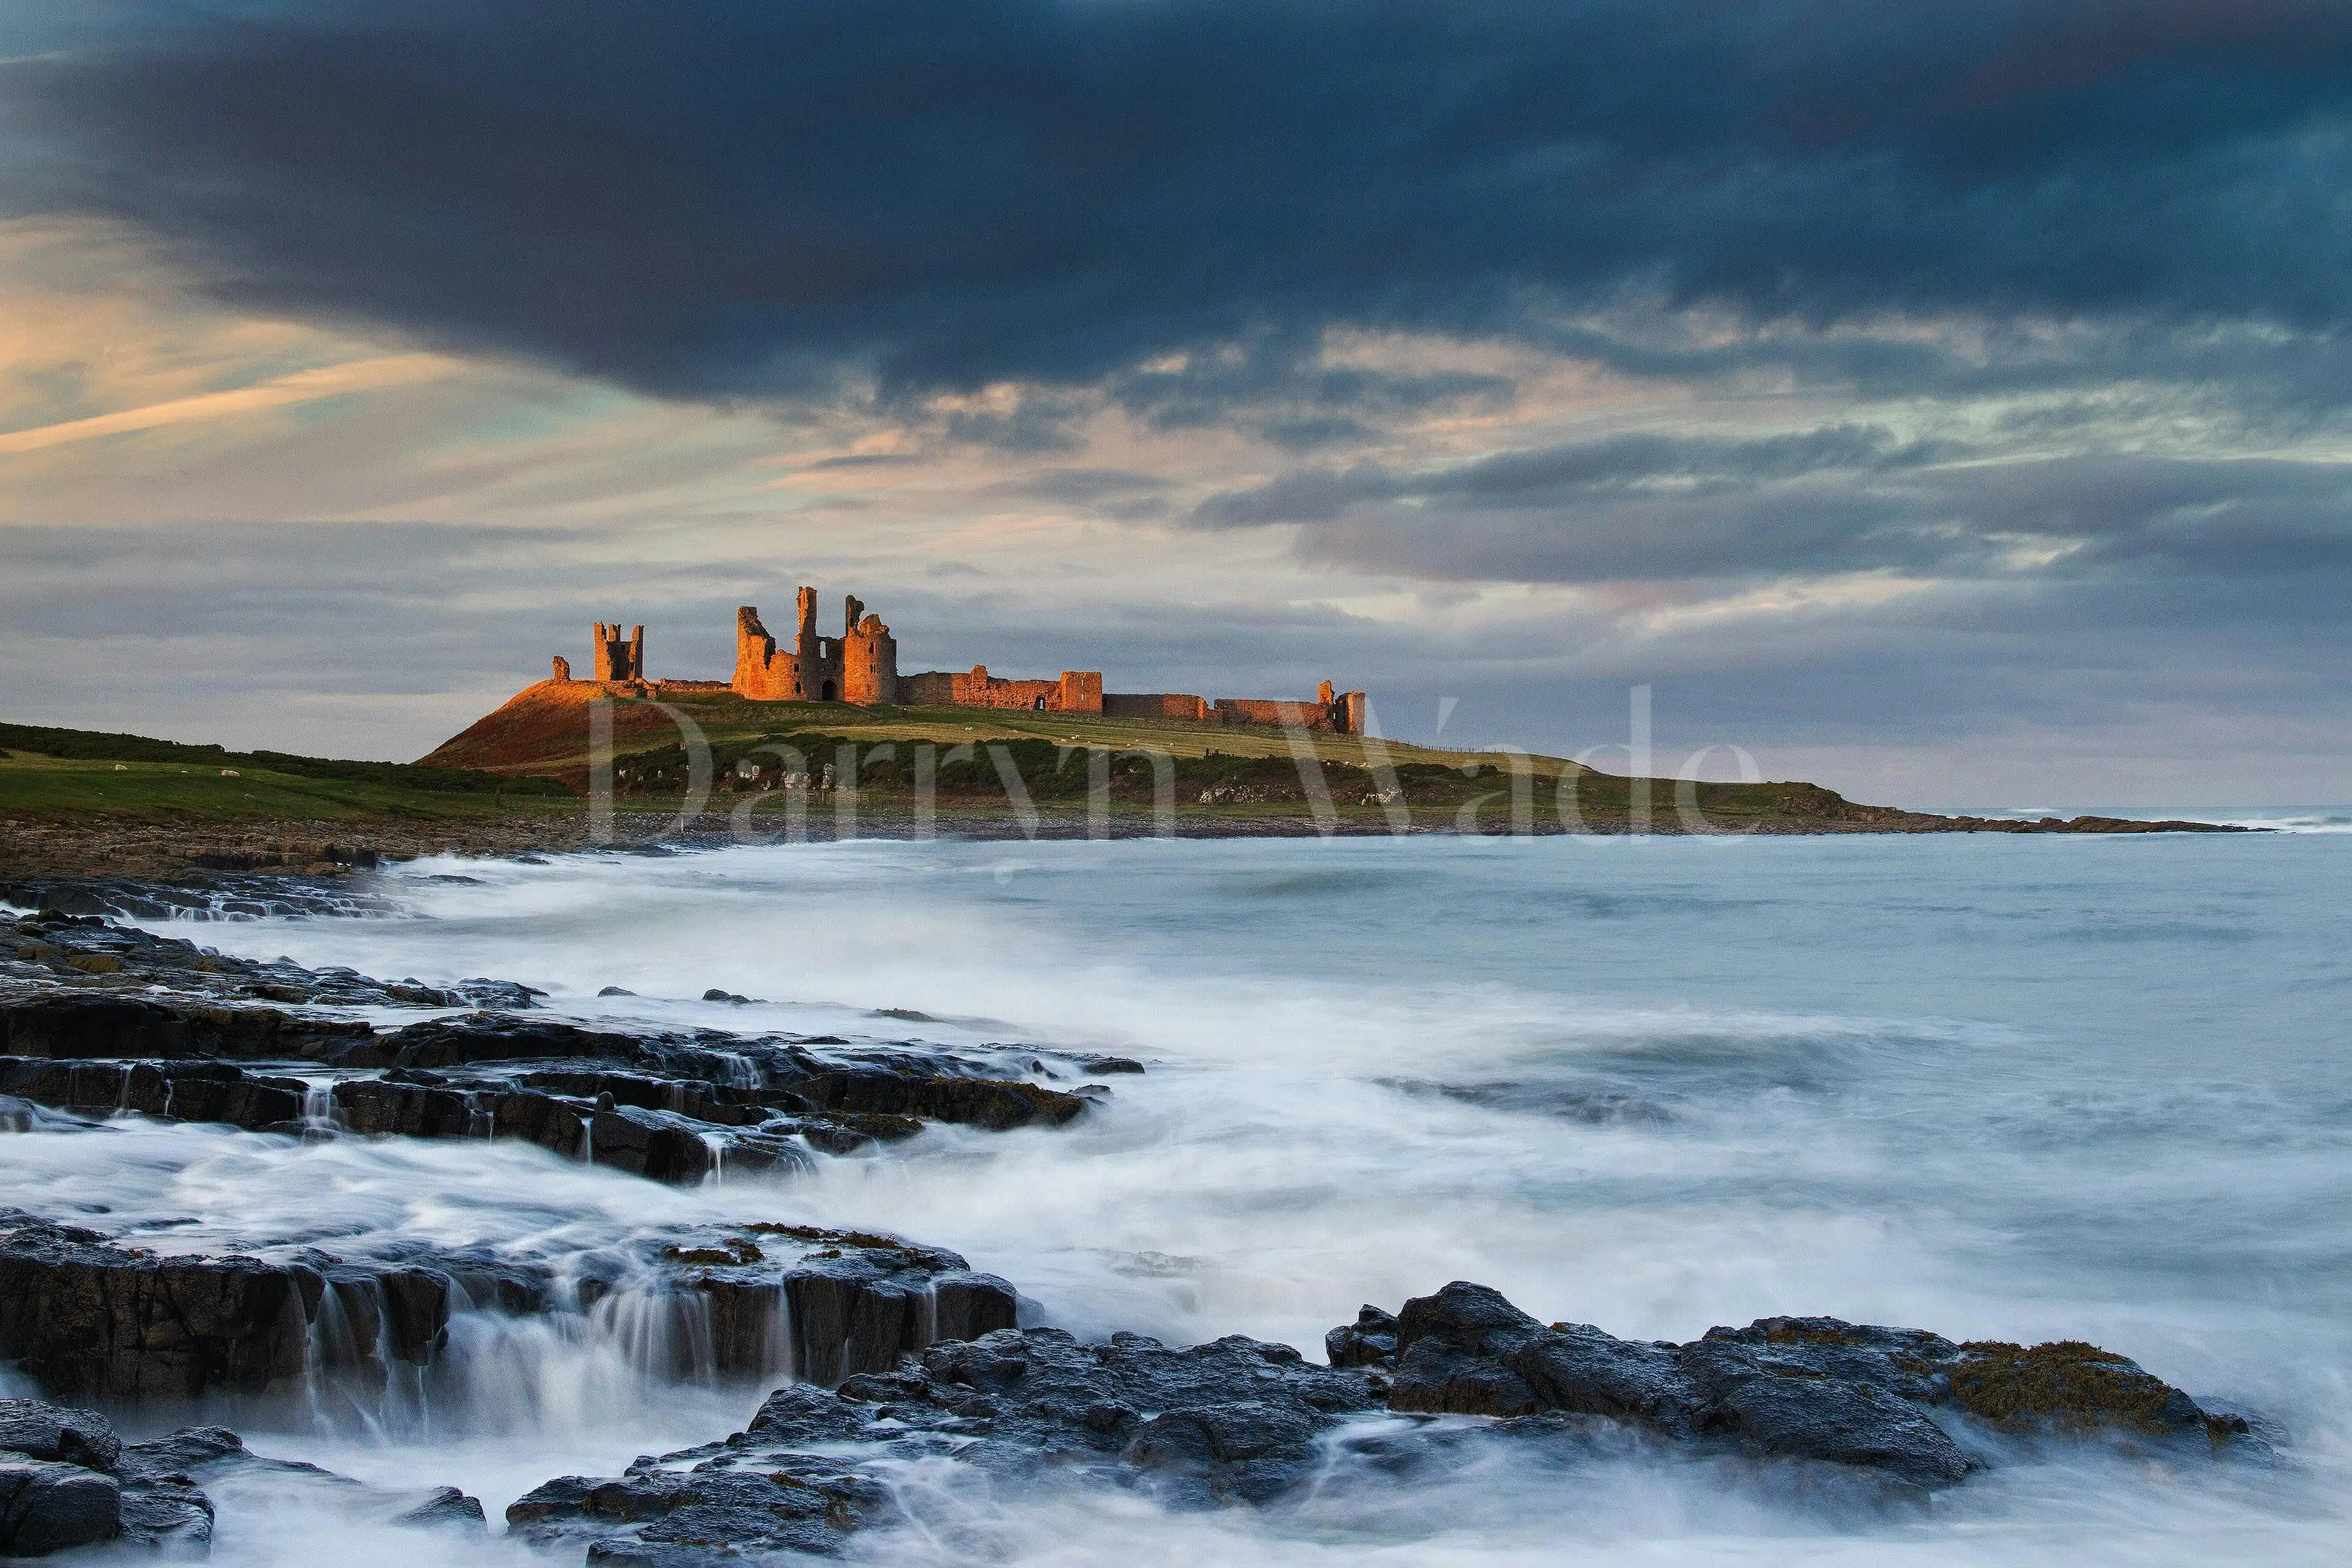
<point x="616" y="660"/>
<point x="860" y="666"/>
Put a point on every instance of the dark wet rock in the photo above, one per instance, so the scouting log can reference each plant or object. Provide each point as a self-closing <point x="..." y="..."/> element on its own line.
<point x="996" y="1104"/>
<point x="667" y="1147"/>
<point x="98" y="899"/>
<point x="1014" y="1398"/>
<point x="174" y="1018"/>
<point x="1802" y="1388"/>
<point x="190" y="1451"/>
<point x="499" y="993"/>
<point x="1842" y="1423"/>
<point x="1233" y="1421"/>
<point x="615" y="991"/>
<point x="1369" y="1340"/>
<point x="40" y="1430"/>
<point x="180" y="1091"/>
<point x="80" y="953"/>
<point x="84" y="1316"/>
<point x="859" y="1311"/>
<point x="1911" y="1362"/>
<point x="46" y="1507"/>
<point x="486" y="1036"/>
<point x="580" y="1115"/>
<point x="1246" y="1452"/>
<point x="795" y="1503"/>
<point x="447" y="1505"/>
<point x="1466" y="1351"/>
<point x="1107" y="1065"/>
<point x="67" y="1480"/>
<point x="94" y="1024"/>
<point x="88" y="1316"/>
<point x="171" y="1512"/>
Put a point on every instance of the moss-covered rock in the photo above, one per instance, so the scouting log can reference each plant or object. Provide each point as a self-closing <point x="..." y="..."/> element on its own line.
<point x="2075" y="1388"/>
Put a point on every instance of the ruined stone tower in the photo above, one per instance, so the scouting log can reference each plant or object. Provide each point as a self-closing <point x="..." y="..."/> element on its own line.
<point x="860" y="666"/>
<point x="617" y="660"/>
<point x="869" y="657"/>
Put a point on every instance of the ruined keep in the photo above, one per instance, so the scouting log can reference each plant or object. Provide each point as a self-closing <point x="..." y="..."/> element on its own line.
<point x="861" y="666"/>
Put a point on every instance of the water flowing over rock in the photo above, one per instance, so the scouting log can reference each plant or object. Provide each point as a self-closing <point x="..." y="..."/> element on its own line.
<point x="89" y="1317"/>
<point x="1236" y="1420"/>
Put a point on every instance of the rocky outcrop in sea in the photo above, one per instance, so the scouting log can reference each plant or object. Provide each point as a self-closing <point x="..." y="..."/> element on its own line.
<point x="1238" y="1421"/>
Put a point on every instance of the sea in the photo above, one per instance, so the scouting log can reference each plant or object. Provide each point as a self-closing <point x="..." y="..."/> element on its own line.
<point x="2021" y="1087"/>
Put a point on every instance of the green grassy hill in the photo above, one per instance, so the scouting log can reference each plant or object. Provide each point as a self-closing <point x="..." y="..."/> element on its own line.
<point x="528" y="759"/>
<point x="1221" y="772"/>
<point x="53" y="773"/>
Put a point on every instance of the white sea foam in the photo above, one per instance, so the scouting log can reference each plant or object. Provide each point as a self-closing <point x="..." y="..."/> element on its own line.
<point x="2020" y="1089"/>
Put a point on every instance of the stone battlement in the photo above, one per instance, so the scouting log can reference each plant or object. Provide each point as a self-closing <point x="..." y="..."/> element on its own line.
<point x="861" y="666"/>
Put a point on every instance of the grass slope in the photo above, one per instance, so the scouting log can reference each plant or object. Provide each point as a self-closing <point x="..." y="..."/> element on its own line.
<point x="528" y="759"/>
<point x="52" y="773"/>
<point x="1243" y="772"/>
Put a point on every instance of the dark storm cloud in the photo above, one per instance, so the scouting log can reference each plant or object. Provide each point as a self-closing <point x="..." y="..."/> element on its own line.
<point x="1839" y="499"/>
<point x="749" y="197"/>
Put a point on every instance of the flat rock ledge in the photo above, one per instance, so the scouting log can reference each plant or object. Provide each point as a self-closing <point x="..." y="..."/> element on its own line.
<point x="1239" y="1422"/>
<point x="97" y="1020"/>
<point x="89" y="1317"/>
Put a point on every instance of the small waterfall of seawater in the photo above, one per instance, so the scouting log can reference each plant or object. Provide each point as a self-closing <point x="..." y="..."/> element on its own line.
<point x="320" y="1119"/>
<point x="571" y="1366"/>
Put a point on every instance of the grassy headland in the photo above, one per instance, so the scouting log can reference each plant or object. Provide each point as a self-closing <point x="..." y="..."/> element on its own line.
<point x="1243" y="776"/>
<point x="81" y="803"/>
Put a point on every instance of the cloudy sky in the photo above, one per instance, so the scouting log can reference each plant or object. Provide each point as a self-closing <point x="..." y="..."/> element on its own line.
<point x="1949" y="403"/>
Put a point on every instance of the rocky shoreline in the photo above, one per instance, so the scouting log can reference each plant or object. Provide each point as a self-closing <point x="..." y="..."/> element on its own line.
<point x="880" y="1350"/>
<point x="135" y="849"/>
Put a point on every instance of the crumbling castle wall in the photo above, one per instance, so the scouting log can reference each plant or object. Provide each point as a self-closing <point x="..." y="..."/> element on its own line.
<point x="1078" y="691"/>
<point x="1336" y="712"/>
<point x="1284" y="715"/>
<point x="761" y="672"/>
<point x="1156" y="705"/>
